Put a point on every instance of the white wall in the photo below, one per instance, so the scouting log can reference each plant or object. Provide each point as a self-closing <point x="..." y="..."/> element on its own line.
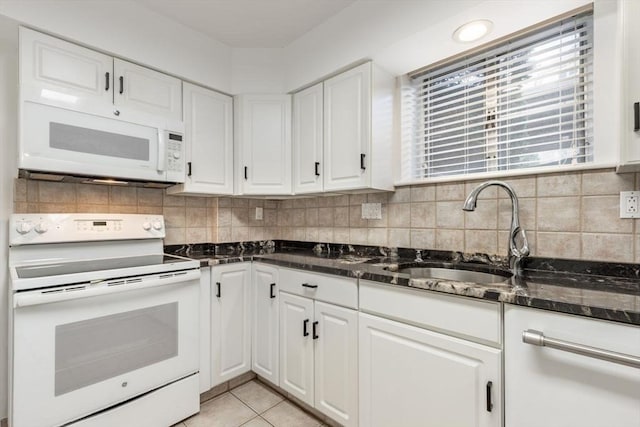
<point x="257" y="71"/>
<point x="130" y="31"/>
<point x="8" y="169"/>
<point x="405" y="35"/>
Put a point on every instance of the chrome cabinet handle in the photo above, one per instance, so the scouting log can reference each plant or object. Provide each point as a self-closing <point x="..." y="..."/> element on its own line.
<point x="533" y="337"/>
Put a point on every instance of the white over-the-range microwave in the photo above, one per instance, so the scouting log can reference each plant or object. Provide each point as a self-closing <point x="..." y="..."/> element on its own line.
<point x="71" y="143"/>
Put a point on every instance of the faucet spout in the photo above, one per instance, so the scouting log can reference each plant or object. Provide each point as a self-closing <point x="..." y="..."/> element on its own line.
<point x="517" y="251"/>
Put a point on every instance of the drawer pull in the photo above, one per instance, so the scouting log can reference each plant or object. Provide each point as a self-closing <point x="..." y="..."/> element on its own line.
<point x="636" y="116"/>
<point x="305" y="331"/>
<point x="306" y="285"/>
<point x="218" y="291"/>
<point x="534" y="337"/>
<point x="272" y="289"/>
<point x="489" y="402"/>
<point x="315" y="330"/>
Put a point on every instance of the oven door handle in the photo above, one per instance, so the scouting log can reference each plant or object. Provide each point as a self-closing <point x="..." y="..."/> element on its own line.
<point x="30" y="298"/>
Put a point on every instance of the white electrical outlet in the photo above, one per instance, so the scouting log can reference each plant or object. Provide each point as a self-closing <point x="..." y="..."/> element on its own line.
<point x="629" y="204"/>
<point x="259" y="214"/>
<point x="371" y="211"/>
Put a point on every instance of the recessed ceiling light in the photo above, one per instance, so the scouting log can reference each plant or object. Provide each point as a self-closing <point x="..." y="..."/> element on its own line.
<point x="472" y="31"/>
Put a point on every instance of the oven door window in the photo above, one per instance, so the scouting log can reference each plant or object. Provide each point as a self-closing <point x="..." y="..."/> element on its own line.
<point x="91" y="351"/>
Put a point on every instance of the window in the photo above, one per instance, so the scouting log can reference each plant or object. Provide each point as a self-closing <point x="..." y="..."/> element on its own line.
<point x="520" y="104"/>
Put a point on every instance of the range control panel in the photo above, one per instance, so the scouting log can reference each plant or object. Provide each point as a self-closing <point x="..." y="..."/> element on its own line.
<point x="28" y="229"/>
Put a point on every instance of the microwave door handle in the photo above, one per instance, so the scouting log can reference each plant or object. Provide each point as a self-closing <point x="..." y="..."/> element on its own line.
<point x="162" y="151"/>
<point x="31" y="298"/>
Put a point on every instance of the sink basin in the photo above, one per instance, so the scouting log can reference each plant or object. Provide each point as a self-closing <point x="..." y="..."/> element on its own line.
<point x="455" y="274"/>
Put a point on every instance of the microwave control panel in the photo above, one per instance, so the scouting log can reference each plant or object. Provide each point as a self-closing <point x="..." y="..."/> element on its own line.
<point x="175" y="152"/>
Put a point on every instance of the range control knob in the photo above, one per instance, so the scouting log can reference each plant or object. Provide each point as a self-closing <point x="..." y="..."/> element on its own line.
<point x="42" y="227"/>
<point x="146" y="225"/>
<point x="157" y="225"/>
<point x="23" y="227"/>
<point x="176" y="154"/>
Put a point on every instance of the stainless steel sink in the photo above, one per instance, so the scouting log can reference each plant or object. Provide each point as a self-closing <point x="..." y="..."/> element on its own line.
<point x="455" y="274"/>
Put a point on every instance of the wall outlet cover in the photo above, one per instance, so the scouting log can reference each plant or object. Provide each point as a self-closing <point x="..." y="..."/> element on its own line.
<point x="371" y="211"/>
<point x="259" y="214"/>
<point x="630" y="204"/>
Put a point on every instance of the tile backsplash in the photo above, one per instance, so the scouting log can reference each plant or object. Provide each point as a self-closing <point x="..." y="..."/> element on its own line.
<point x="570" y="215"/>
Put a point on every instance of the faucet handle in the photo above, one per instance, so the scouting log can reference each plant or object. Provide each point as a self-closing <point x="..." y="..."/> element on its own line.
<point x="418" y="256"/>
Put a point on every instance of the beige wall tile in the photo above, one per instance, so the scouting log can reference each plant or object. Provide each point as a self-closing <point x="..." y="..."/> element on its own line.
<point x="326" y="202"/>
<point x="20" y="190"/>
<point x="423" y="193"/>
<point x="311" y="217"/>
<point x="383" y="222"/>
<point x="150" y="197"/>
<point x="358" y="236"/>
<point x="311" y="202"/>
<point x="224" y="202"/>
<point x="297" y="217"/>
<point x="33" y="190"/>
<point x="377" y="237"/>
<point x="197" y="235"/>
<point x="559" y="185"/>
<point x="149" y="210"/>
<point x="558" y="245"/>
<point x="399" y="237"/>
<point x="56" y="192"/>
<point x="357" y="199"/>
<point x="401" y="195"/>
<point x="256" y="203"/>
<point x="524" y="187"/>
<point x="558" y="214"/>
<point x="174" y="217"/>
<point x="196" y="217"/>
<point x="423" y="215"/>
<point x="423" y="239"/>
<point x="341" y="216"/>
<point x="224" y="217"/>
<point x="21" y="207"/>
<point x="606" y="182"/>
<point x="601" y="214"/>
<point x="608" y="247"/>
<point x="123" y="196"/>
<point x="490" y="192"/>
<point x="481" y="241"/>
<point x="84" y="208"/>
<point x="212" y="202"/>
<point x="450" y="191"/>
<point x="637" y="243"/>
<point x="527" y="209"/>
<point x="177" y="201"/>
<point x="195" y="202"/>
<point x="311" y="234"/>
<point x="449" y="215"/>
<point x="239" y="203"/>
<point x="224" y="234"/>
<point x="378" y="198"/>
<point x="341" y="235"/>
<point x="92" y="194"/>
<point x="503" y="242"/>
<point x="239" y="234"/>
<point x="239" y="217"/>
<point x="341" y="200"/>
<point x="270" y="217"/>
<point x="175" y="236"/>
<point x="325" y="217"/>
<point x="485" y="217"/>
<point x="56" y="208"/>
<point x="325" y="234"/>
<point x="124" y="209"/>
<point x="299" y="233"/>
<point x="285" y="217"/>
<point x="270" y="204"/>
<point x="300" y="203"/>
<point x="256" y="233"/>
<point x="355" y="217"/>
<point x="449" y="240"/>
<point x="399" y="215"/>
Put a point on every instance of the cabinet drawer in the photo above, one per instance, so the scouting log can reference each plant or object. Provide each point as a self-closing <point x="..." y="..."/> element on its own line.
<point x="467" y="318"/>
<point x="322" y="287"/>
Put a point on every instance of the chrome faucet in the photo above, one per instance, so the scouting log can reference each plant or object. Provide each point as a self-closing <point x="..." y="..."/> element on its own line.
<point x="516" y="254"/>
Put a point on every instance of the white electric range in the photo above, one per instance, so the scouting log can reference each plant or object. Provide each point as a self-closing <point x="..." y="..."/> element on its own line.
<point x="103" y="325"/>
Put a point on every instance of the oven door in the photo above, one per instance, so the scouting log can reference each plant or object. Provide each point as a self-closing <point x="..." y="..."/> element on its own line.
<point x="69" y="142"/>
<point x="76" y="352"/>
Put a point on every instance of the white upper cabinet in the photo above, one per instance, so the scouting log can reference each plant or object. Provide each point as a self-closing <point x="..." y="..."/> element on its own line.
<point x="358" y="130"/>
<point x="62" y="74"/>
<point x="208" y="121"/>
<point x="307" y="140"/>
<point x="630" y="150"/>
<point x="263" y="144"/>
<point x="141" y="90"/>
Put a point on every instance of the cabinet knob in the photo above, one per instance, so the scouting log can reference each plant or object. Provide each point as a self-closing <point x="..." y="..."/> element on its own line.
<point x="116" y="113"/>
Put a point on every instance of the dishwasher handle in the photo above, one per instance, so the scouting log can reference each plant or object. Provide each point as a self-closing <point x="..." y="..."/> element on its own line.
<point x="105" y="287"/>
<point x="533" y="337"/>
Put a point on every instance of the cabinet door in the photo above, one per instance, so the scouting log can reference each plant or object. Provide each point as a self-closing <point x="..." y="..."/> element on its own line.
<point x="296" y="346"/>
<point x="265" y="323"/>
<point x="336" y="362"/>
<point x="208" y="119"/>
<point x="631" y="138"/>
<point x="307" y="140"/>
<point x="205" y="329"/>
<point x="141" y="93"/>
<point x="62" y="74"/>
<point x="230" y="322"/>
<point x="551" y="387"/>
<point x="347" y="129"/>
<point x="264" y="144"/>
<point x="414" y="377"/>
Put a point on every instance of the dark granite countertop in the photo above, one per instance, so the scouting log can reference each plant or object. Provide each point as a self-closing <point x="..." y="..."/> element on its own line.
<point x="606" y="291"/>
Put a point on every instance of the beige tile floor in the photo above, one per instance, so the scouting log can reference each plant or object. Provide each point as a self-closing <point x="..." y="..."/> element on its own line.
<point x="250" y="405"/>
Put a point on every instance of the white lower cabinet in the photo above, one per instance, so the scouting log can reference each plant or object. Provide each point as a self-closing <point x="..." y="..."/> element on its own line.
<point x="265" y="330"/>
<point x="205" y="329"/>
<point x="319" y="356"/>
<point x="415" y="376"/>
<point x="230" y="321"/>
<point x="553" y="387"/>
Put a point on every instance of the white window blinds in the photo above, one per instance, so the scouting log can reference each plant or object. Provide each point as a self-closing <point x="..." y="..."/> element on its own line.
<point x="521" y="104"/>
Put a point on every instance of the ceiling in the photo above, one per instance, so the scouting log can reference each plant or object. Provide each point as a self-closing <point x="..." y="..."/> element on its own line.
<point x="249" y="23"/>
